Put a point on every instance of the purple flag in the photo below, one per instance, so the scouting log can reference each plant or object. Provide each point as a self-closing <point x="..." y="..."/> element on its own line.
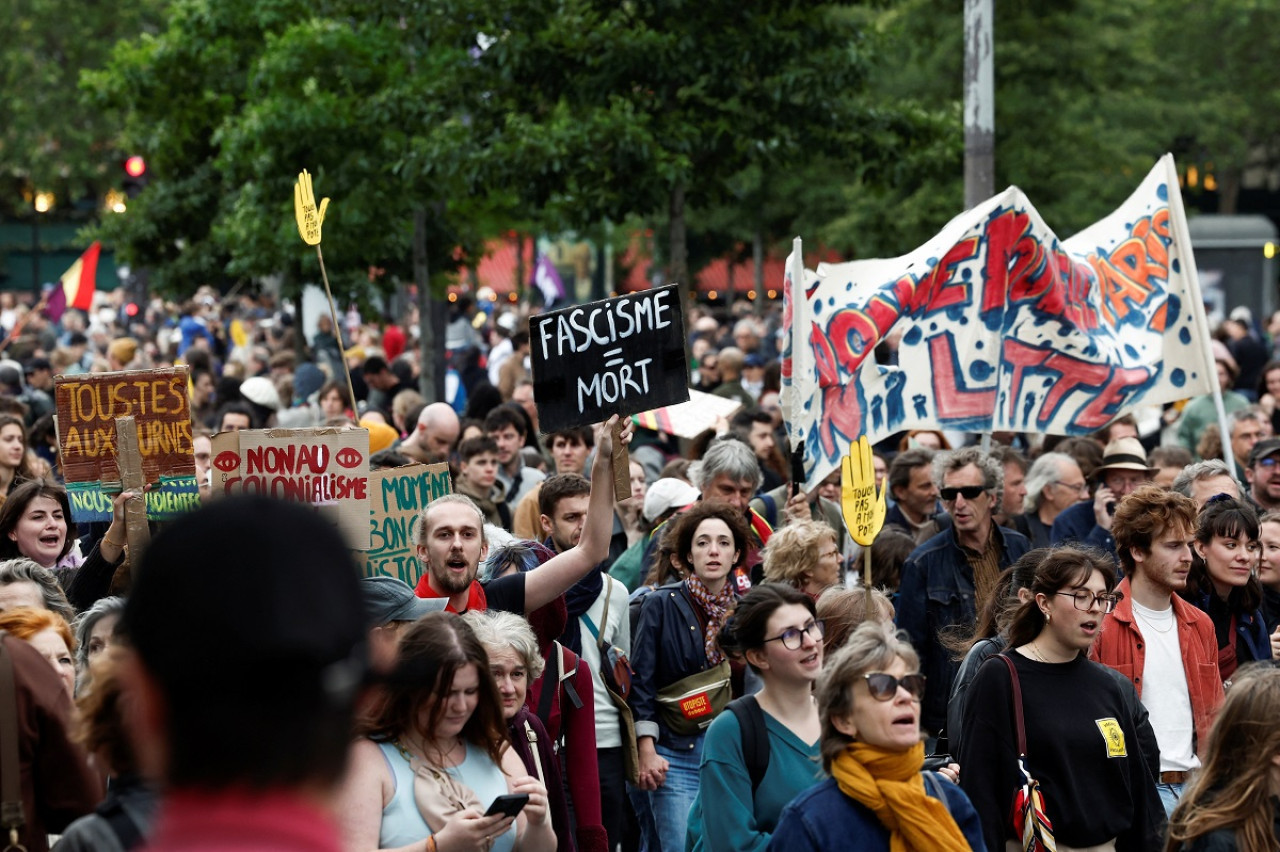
<point x="547" y="280"/>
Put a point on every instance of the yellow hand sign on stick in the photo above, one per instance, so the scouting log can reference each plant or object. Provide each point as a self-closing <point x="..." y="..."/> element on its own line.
<point x="309" y="221"/>
<point x="304" y="210"/>
<point x="863" y="506"/>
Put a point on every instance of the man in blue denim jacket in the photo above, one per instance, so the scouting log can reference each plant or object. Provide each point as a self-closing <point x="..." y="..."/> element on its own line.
<point x="948" y="578"/>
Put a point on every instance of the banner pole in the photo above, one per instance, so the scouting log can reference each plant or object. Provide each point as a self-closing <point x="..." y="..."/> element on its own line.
<point x="1183" y="236"/>
<point x="337" y="331"/>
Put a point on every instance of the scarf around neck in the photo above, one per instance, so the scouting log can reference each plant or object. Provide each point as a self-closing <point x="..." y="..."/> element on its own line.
<point x="715" y="608"/>
<point x="475" y="595"/>
<point x="890" y="784"/>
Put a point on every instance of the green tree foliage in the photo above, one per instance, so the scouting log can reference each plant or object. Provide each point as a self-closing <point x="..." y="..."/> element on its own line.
<point x="48" y="140"/>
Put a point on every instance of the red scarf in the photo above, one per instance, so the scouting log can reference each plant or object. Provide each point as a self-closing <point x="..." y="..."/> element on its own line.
<point x="715" y="608"/>
<point x="475" y="595"/>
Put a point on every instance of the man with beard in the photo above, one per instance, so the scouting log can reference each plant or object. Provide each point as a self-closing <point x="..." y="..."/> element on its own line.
<point x="451" y="546"/>
<point x="1163" y="644"/>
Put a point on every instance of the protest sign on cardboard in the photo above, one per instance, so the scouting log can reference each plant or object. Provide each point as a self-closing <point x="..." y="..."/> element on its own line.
<point x="87" y="407"/>
<point x="328" y="468"/>
<point x="618" y="356"/>
<point x="396" y="496"/>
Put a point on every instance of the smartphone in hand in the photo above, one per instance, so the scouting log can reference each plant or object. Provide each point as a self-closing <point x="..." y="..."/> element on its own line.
<point x="508" y="805"/>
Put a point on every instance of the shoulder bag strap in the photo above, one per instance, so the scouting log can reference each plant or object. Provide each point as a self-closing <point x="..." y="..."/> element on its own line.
<point x="1017" y="705"/>
<point x="550" y="683"/>
<point x="11" y="814"/>
<point x="532" y="737"/>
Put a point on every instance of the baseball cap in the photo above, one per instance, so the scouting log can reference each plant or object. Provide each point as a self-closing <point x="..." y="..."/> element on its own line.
<point x="1262" y="449"/>
<point x="260" y="391"/>
<point x="250" y="600"/>
<point x="667" y="494"/>
<point x="1124" y="454"/>
<point x="387" y="599"/>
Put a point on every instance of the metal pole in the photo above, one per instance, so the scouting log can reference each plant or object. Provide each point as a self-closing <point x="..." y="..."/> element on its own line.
<point x="979" y="102"/>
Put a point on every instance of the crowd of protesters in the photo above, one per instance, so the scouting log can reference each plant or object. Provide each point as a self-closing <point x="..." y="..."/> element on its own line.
<point x="697" y="666"/>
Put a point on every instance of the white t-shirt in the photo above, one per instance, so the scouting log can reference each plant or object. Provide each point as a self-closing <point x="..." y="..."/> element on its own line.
<point x="617" y="633"/>
<point x="1164" y="689"/>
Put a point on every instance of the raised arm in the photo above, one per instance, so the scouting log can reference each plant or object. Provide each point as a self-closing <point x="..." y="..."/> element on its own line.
<point x="546" y="583"/>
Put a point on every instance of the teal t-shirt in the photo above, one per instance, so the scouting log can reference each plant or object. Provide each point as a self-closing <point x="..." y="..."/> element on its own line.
<point x="737" y="821"/>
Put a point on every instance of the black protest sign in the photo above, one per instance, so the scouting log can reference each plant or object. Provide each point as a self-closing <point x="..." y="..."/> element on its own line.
<point x="619" y="356"/>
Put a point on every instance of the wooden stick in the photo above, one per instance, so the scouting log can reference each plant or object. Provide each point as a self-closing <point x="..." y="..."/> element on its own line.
<point x="621" y="464"/>
<point x="866" y="582"/>
<point x="337" y="331"/>
<point x="129" y="459"/>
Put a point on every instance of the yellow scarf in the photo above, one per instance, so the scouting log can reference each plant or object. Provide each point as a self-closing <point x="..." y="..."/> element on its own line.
<point x="890" y="784"/>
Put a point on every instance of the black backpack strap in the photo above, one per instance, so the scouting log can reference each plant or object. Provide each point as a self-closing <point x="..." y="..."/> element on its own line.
<point x="550" y="683"/>
<point x="122" y="825"/>
<point x="755" y="737"/>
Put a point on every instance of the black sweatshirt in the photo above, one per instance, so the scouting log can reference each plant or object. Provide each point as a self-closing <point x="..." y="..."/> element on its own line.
<point x="1081" y="746"/>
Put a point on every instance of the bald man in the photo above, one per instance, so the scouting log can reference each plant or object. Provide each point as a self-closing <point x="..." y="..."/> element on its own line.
<point x="437" y="431"/>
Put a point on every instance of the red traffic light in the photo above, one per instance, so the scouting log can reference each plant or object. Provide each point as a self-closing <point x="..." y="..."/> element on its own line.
<point x="135" y="166"/>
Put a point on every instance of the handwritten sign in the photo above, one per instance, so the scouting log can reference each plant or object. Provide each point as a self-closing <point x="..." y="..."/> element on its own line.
<point x="618" y="356"/>
<point x="328" y="468"/>
<point x="863" y="508"/>
<point x="308" y="217"/>
<point x="396" y="496"/>
<point x="87" y="407"/>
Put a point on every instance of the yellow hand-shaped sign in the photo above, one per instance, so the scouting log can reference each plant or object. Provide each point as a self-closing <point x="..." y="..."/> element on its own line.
<point x="863" y="507"/>
<point x="304" y="210"/>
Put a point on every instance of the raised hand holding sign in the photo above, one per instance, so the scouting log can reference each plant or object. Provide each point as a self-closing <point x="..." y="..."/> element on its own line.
<point x="309" y="218"/>
<point x="863" y="505"/>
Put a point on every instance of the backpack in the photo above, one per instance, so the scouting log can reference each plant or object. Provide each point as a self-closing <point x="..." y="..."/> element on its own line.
<point x="755" y="737"/>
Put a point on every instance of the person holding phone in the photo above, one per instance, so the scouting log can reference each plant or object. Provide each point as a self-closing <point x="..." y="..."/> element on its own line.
<point x="435" y="757"/>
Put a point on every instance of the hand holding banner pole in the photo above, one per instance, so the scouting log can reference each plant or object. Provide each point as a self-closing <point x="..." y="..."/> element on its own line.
<point x="863" y="507"/>
<point x="310" y="220"/>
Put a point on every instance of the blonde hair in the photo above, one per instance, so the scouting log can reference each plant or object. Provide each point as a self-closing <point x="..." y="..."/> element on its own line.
<point x="1232" y="790"/>
<point x="842" y="610"/>
<point x="872" y="647"/>
<point x="795" y="550"/>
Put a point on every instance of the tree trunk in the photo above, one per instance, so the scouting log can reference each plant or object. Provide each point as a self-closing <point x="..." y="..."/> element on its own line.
<point x="757" y="257"/>
<point x="678" y="268"/>
<point x="1229" y="190"/>
<point x="427" y="383"/>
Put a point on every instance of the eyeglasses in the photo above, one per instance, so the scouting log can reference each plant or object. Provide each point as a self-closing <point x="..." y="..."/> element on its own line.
<point x="884" y="687"/>
<point x="793" y="637"/>
<point x="1085" y="601"/>
<point x="970" y="492"/>
<point x="1081" y="488"/>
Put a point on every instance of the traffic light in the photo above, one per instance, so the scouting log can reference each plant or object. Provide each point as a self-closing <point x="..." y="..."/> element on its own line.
<point x="135" y="169"/>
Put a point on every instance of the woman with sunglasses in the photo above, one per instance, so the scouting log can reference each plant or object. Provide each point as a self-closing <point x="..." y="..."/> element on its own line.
<point x="1224" y="582"/>
<point x="776" y="631"/>
<point x="876" y="798"/>
<point x="1081" y="742"/>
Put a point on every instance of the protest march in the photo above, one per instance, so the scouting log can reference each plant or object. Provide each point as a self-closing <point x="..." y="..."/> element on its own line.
<point x="976" y="548"/>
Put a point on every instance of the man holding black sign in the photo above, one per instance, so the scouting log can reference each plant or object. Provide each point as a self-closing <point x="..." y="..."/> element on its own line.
<point x="451" y="546"/>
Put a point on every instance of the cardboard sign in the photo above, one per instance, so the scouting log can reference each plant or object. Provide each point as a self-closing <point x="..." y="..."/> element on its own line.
<point x="328" y="468"/>
<point x="618" y="356"/>
<point x="864" y="509"/>
<point x="396" y="496"/>
<point x="689" y="419"/>
<point x="88" y="405"/>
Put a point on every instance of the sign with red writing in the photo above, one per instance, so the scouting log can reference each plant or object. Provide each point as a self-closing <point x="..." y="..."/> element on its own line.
<point x="87" y="407"/>
<point x="326" y="467"/>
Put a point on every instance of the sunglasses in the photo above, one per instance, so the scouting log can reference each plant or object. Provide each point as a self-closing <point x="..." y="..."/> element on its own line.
<point x="884" y="687"/>
<point x="970" y="492"/>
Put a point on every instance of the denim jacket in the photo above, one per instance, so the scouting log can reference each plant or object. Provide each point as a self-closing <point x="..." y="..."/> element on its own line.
<point x="936" y="593"/>
<point x="1251" y="631"/>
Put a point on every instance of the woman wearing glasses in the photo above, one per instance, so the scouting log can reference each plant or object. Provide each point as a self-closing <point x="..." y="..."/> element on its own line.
<point x="776" y="631"/>
<point x="876" y="798"/>
<point x="1081" y="742"/>
<point x="803" y="554"/>
<point x="1224" y="582"/>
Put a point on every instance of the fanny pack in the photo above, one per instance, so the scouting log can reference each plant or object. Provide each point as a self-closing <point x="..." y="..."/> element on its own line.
<point x="687" y="706"/>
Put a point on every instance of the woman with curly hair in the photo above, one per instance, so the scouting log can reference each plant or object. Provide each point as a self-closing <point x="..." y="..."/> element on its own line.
<point x="803" y="554"/>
